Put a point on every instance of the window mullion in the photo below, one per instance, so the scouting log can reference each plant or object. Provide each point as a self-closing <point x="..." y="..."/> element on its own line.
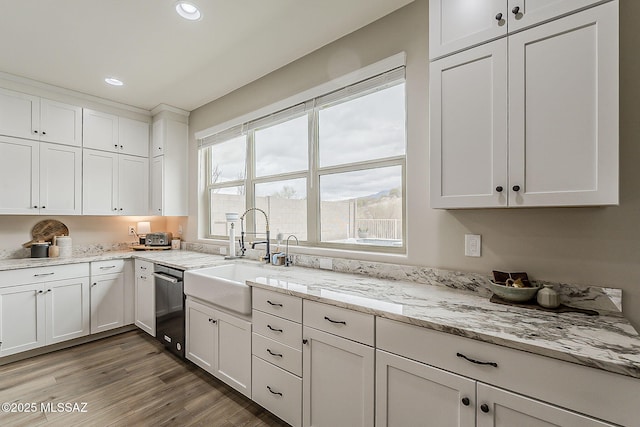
<point x="313" y="194"/>
<point x="249" y="187"/>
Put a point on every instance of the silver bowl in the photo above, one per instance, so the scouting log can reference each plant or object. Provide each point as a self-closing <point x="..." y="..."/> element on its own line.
<point x="514" y="294"/>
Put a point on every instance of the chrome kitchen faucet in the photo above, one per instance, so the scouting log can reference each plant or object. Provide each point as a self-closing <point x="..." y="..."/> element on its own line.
<point x="267" y="257"/>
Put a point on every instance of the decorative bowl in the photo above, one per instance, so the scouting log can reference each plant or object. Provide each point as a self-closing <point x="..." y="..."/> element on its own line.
<point x="510" y="293"/>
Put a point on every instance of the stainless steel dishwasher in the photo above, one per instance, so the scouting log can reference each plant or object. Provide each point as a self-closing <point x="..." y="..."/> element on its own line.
<point x="170" y="327"/>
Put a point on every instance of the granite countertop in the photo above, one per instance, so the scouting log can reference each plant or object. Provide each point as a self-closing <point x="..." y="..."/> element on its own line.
<point x="607" y="342"/>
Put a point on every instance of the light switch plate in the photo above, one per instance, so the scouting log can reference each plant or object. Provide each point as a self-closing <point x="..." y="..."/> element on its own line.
<point x="472" y="245"/>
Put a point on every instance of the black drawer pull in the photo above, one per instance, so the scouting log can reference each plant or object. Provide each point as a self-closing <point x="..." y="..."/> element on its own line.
<point x="274" y="392"/>
<point x="275" y="304"/>
<point x="274" y="329"/>
<point x="484" y="408"/>
<point x="335" y="321"/>
<point x="273" y="354"/>
<point x="477" y="362"/>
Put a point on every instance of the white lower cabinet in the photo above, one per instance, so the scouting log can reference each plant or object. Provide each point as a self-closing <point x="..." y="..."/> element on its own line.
<point x="107" y="302"/>
<point x="409" y="393"/>
<point x="278" y="391"/>
<point x="42" y="306"/>
<point x="338" y="381"/>
<point x="67" y="309"/>
<point x="220" y="344"/>
<point x="145" y="297"/>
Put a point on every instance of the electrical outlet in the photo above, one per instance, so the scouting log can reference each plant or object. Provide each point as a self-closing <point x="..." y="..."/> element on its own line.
<point x="132" y="230"/>
<point x="326" y="263"/>
<point x="472" y="245"/>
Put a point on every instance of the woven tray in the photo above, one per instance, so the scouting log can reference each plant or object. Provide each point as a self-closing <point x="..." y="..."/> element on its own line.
<point x="533" y="305"/>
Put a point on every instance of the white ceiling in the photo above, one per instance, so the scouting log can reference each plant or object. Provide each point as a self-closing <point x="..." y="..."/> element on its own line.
<point x="161" y="57"/>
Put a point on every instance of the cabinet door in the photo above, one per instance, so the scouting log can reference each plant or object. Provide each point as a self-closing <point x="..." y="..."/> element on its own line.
<point x="338" y="381"/>
<point x="500" y="408"/>
<point x="19" y="114"/>
<point x="67" y="309"/>
<point x="100" y="130"/>
<point x="133" y="185"/>
<point x="158" y="137"/>
<point x="458" y="24"/>
<point x="22" y="322"/>
<point x="60" y="123"/>
<point x="157" y="185"/>
<point x="107" y="302"/>
<point x="129" y="293"/>
<point x="145" y="307"/>
<point x="468" y="121"/>
<point x="409" y="393"/>
<point x="232" y="338"/>
<point x="133" y="137"/>
<point x="563" y="111"/>
<point x="200" y="344"/>
<point x="19" y="176"/>
<point x="525" y="13"/>
<point x="99" y="183"/>
<point x="60" y="179"/>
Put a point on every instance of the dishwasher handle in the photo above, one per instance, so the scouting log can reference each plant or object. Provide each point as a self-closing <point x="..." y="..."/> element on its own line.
<point x="167" y="277"/>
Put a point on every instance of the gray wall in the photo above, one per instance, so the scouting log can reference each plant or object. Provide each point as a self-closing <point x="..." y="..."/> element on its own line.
<point x="599" y="246"/>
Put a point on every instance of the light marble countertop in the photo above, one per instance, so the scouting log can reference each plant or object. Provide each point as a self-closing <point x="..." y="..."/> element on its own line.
<point x="607" y="342"/>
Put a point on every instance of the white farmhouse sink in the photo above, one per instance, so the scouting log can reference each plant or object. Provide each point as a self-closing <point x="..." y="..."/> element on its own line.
<point x="223" y="285"/>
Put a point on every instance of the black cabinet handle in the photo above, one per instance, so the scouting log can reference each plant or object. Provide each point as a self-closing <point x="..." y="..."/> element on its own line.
<point x="499" y="17"/>
<point x="275" y="304"/>
<point x="515" y="10"/>
<point x="516" y="188"/>
<point x="466" y="401"/>
<point x="35" y="131"/>
<point x="115" y="145"/>
<point x="44" y="133"/>
<point x="484" y="408"/>
<point x="213" y="321"/>
<point x="477" y="362"/>
<point x="44" y="207"/>
<point x="35" y="207"/>
<point x="39" y="292"/>
<point x="304" y="341"/>
<point x="274" y="329"/>
<point x="499" y="188"/>
<point x="274" y="392"/>
<point x="121" y="147"/>
<point x="273" y="354"/>
<point x="335" y="321"/>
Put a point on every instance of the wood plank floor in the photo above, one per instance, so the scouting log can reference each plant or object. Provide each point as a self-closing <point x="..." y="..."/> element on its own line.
<point x="125" y="380"/>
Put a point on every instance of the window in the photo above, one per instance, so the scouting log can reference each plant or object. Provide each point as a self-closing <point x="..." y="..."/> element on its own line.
<point x="330" y="171"/>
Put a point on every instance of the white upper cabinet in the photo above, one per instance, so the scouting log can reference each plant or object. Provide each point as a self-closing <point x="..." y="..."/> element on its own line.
<point x="563" y="111"/>
<point x="31" y="117"/>
<point x="60" y="123"/>
<point x="455" y="25"/>
<point x="458" y="24"/>
<point x="115" y="184"/>
<point x="19" y="176"/>
<point x="550" y="139"/>
<point x="19" y="114"/>
<point x="60" y="179"/>
<point x="133" y="137"/>
<point x="468" y="130"/>
<point x="100" y="130"/>
<point x="169" y="168"/>
<point x="108" y="132"/>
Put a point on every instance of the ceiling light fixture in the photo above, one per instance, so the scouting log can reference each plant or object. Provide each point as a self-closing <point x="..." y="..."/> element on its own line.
<point x="113" y="82"/>
<point x="188" y="11"/>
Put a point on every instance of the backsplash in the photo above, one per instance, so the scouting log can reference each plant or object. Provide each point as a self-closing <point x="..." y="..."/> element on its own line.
<point x="596" y="298"/>
<point x="589" y="297"/>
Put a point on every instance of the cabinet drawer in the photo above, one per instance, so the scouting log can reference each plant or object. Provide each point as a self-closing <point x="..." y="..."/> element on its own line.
<point x="107" y="267"/>
<point x="537" y="376"/>
<point x="282" y="305"/>
<point x="340" y="321"/>
<point x="277" y="390"/>
<point x="43" y="274"/>
<point x="278" y="329"/>
<point x="279" y="354"/>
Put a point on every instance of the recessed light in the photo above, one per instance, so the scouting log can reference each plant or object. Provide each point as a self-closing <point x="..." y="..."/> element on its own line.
<point x="113" y="82"/>
<point x="188" y="11"/>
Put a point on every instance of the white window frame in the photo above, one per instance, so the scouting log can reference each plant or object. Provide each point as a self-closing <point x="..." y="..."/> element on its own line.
<point x="310" y="107"/>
